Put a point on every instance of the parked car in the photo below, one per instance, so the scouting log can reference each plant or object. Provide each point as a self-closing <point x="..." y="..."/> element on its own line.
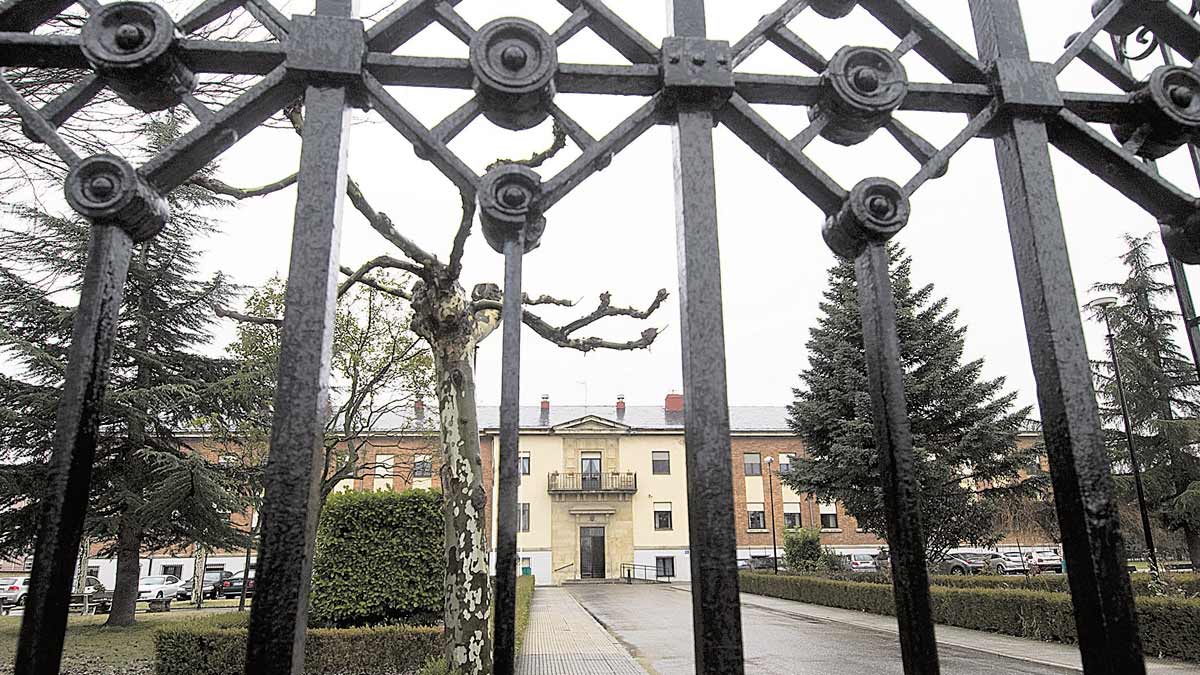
<point x="862" y="562"/>
<point x="1008" y="563"/>
<point x="958" y="564"/>
<point x="1046" y="560"/>
<point x="161" y="586"/>
<point x="744" y="565"/>
<point x="13" y="590"/>
<point x="765" y="563"/>
<point x="210" y="587"/>
<point x="92" y="585"/>
<point x="231" y="587"/>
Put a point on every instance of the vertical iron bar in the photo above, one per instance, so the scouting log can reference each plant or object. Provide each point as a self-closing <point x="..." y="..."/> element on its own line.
<point x="292" y="483"/>
<point x="897" y="467"/>
<point x="504" y="654"/>
<point x="1133" y="460"/>
<point x="716" y="609"/>
<point x="1083" y="491"/>
<point x="39" y="651"/>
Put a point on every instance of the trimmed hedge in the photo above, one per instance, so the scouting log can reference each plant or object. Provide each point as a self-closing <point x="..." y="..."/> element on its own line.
<point x="379" y="560"/>
<point x="218" y="647"/>
<point x="1168" y="626"/>
<point x="524" y="600"/>
<point x="1185" y="583"/>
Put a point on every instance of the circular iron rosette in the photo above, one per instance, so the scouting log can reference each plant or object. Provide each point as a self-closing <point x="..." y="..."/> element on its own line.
<point x="862" y="87"/>
<point x="875" y="211"/>
<point x="514" y="61"/>
<point x="106" y="190"/>
<point x="132" y="45"/>
<point x="1170" y="105"/>
<point x="1181" y="236"/>
<point x="833" y="9"/>
<point x="508" y="206"/>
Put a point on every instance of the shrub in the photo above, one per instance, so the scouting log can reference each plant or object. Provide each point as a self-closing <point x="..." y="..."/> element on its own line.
<point x="1184" y="584"/>
<point x="802" y="549"/>
<point x="378" y="559"/>
<point x="206" y="647"/>
<point x="1169" y="626"/>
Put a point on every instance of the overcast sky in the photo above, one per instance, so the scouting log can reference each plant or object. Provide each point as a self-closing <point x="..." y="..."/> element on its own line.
<point x="617" y="231"/>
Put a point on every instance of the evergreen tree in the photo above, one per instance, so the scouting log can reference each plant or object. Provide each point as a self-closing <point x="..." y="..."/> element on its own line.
<point x="149" y="488"/>
<point x="1161" y="391"/>
<point x="964" y="428"/>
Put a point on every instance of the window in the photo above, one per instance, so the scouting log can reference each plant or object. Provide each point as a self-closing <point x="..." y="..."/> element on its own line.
<point x="173" y="570"/>
<point x="523" y="517"/>
<point x="660" y="462"/>
<point x="214" y="567"/>
<point x="756" y="517"/>
<point x="785" y="463"/>
<point x="664" y="566"/>
<point x="422" y="466"/>
<point x="829" y="518"/>
<point x="524" y="463"/>
<point x="752" y="462"/>
<point x="93" y="570"/>
<point x="383" y="471"/>
<point x="662" y="516"/>
<point x="791" y="515"/>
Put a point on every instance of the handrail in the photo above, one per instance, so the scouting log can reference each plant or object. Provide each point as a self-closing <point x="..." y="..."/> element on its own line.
<point x="565" y="567"/>
<point x="612" y="481"/>
<point x="633" y="571"/>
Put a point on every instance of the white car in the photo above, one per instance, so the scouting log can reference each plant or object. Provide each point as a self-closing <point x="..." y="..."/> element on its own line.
<point x="159" y="587"/>
<point x="1046" y="560"/>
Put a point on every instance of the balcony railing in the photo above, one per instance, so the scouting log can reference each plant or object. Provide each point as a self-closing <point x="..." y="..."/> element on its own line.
<point x="593" y="482"/>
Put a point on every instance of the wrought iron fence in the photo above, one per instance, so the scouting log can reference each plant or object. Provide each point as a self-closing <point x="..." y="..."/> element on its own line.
<point x="690" y="82"/>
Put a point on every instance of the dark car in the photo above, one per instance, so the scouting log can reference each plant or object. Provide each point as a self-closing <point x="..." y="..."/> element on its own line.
<point x="959" y="564"/>
<point x="231" y="587"/>
<point x="211" y="586"/>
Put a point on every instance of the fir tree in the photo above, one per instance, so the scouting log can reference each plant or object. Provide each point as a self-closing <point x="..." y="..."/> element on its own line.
<point x="1161" y="391"/>
<point x="964" y="427"/>
<point x="149" y="489"/>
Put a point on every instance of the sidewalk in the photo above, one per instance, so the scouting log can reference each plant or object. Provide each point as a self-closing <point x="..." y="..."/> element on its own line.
<point x="1020" y="649"/>
<point x="563" y="639"/>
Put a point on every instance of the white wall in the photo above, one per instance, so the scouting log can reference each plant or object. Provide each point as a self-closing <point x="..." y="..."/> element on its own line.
<point x="152" y="566"/>
<point x="683" y="561"/>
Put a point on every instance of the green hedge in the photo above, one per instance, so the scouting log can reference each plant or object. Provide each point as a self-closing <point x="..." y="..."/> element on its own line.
<point x="379" y="560"/>
<point x="1183" y="583"/>
<point x="208" y="647"/>
<point x="1169" y="626"/>
<point x="524" y="600"/>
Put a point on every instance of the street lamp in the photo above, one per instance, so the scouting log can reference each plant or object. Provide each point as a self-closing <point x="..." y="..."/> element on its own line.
<point x="771" y="498"/>
<point x="1103" y="304"/>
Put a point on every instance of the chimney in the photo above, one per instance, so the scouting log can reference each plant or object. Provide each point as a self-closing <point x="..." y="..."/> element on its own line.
<point x="545" y="403"/>
<point x="674" y="403"/>
<point x="620" y="405"/>
<point x="419" y="408"/>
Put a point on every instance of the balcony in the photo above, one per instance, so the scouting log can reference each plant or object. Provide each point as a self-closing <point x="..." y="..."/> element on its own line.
<point x="608" y="483"/>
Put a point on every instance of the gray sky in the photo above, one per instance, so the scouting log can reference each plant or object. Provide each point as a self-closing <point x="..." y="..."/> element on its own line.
<point x="617" y="231"/>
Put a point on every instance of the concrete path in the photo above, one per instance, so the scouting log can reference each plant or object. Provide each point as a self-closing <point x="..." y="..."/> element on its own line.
<point x="563" y="639"/>
<point x="789" y="638"/>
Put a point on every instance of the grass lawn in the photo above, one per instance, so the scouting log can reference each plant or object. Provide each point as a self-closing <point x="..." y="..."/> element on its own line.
<point x="92" y="648"/>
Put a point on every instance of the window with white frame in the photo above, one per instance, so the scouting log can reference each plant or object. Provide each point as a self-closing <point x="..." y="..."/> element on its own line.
<point x="752" y="463"/>
<point x="660" y="462"/>
<point x="756" y="517"/>
<point x="383" y="471"/>
<point x="829" y="516"/>
<point x="662" y="516"/>
<point x="523" y="517"/>
<point x="785" y="463"/>
<point x="791" y="515"/>
<point x="524" y="463"/>
<point x="422" y="466"/>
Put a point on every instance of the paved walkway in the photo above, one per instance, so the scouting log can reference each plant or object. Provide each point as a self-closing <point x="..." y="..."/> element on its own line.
<point x="563" y="639"/>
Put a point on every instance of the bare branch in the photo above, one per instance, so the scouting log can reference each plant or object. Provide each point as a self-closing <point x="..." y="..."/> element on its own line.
<point x="561" y="336"/>
<point x="223" y="188"/>
<point x="371" y="283"/>
<point x="382" y="224"/>
<point x="460" y="237"/>
<point x="546" y="300"/>
<point x="383" y="261"/>
<point x="605" y="309"/>
<point x="558" y="337"/>
<point x="539" y="158"/>
<point x="227" y="313"/>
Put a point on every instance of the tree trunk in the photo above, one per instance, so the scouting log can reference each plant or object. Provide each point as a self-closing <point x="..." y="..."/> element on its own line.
<point x="1192" y="536"/>
<point x="81" y="563"/>
<point x="129" y="571"/>
<point x="468" y="599"/>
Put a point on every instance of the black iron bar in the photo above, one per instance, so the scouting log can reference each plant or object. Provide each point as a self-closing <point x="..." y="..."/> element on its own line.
<point x="401" y="24"/>
<point x="39" y="649"/>
<point x="1079" y="468"/>
<point x="291" y="503"/>
<point x="571" y="27"/>
<point x="1134" y="466"/>
<point x="759" y="35"/>
<point x="615" y="31"/>
<point x="271" y="18"/>
<point x="716" y="606"/>
<point x="205" y="13"/>
<point x="1082" y="41"/>
<point x="25" y="15"/>
<point x="897" y="466"/>
<point x="72" y="100"/>
<point x="37" y="125"/>
<point x="505" y="617"/>
<point x="935" y="46"/>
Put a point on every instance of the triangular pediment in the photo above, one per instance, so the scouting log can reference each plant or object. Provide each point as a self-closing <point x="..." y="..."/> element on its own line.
<point x="590" y="423"/>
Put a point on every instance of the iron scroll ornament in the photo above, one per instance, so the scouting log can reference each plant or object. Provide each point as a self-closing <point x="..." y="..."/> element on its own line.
<point x="333" y="61"/>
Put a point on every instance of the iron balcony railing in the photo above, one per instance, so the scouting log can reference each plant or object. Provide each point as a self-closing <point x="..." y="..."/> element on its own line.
<point x="593" y="482"/>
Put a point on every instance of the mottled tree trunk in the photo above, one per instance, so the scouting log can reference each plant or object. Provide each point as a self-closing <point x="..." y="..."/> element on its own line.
<point x="129" y="572"/>
<point x="81" y="563"/>
<point x="443" y="318"/>
<point x="1192" y="536"/>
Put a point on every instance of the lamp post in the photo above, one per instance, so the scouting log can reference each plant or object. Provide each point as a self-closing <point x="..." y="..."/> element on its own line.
<point x="771" y="498"/>
<point x="1104" y="304"/>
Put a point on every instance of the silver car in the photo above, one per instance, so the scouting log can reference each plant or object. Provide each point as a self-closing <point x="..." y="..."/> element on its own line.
<point x="13" y="590"/>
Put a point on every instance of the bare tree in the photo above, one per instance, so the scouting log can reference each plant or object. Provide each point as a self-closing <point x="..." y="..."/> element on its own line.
<point x="452" y="324"/>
